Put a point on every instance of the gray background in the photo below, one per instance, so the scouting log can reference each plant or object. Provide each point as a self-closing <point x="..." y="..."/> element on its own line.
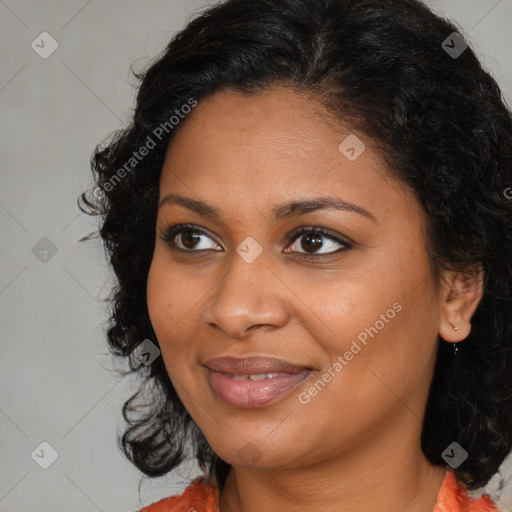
<point x="54" y="382"/>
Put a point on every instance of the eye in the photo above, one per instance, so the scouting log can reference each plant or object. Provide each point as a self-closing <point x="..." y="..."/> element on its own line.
<point x="311" y="241"/>
<point x="188" y="238"/>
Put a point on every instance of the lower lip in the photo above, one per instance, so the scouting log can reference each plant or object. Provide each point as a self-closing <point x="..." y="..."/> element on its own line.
<point x="247" y="393"/>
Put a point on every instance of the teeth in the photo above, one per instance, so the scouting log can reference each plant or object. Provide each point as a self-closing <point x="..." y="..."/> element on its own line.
<point x="237" y="377"/>
<point x="259" y="376"/>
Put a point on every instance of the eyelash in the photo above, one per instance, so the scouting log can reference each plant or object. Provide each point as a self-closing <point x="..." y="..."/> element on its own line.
<point x="169" y="233"/>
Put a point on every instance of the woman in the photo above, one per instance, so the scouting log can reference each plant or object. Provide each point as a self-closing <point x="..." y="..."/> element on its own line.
<point x="308" y="222"/>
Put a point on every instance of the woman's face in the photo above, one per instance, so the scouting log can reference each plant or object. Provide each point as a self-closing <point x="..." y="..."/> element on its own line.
<point x="354" y="310"/>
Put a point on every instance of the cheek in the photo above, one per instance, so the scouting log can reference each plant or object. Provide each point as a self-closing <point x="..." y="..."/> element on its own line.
<point x="382" y="323"/>
<point x="174" y="301"/>
<point x="170" y="296"/>
<point x="168" y="300"/>
<point x="159" y="298"/>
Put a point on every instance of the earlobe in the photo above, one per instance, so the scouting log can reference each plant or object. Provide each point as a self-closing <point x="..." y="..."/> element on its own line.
<point x="461" y="293"/>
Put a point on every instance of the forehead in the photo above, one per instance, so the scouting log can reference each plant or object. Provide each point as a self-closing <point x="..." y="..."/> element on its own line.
<point x="280" y="120"/>
<point x="278" y="134"/>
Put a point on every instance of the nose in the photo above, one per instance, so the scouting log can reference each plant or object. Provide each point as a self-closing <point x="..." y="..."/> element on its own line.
<point x="248" y="297"/>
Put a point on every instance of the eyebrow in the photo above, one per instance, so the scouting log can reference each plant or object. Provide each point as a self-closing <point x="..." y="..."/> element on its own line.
<point x="280" y="212"/>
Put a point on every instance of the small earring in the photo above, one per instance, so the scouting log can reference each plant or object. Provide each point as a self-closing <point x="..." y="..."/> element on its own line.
<point x="455" y="345"/>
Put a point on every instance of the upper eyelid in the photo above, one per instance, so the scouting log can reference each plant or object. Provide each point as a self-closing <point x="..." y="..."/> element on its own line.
<point x="324" y="232"/>
<point x="176" y="229"/>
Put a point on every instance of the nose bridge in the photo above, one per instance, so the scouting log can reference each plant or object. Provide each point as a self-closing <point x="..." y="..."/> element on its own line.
<point x="246" y="295"/>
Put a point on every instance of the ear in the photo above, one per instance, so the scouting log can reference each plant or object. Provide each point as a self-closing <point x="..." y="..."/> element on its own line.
<point x="460" y="295"/>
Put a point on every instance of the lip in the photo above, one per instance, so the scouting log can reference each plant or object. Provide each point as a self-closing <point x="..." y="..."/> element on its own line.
<point x="252" y="365"/>
<point x="245" y="393"/>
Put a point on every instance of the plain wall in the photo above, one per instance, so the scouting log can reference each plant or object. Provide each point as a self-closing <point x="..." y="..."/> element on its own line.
<point x="54" y="386"/>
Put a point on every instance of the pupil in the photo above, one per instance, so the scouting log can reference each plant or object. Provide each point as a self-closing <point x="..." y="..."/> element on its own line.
<point x="190" y="236"/>
<point x="311" y="241"/>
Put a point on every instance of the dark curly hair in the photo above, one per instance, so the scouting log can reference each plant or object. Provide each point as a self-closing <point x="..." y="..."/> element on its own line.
<point x="444" y="130"/>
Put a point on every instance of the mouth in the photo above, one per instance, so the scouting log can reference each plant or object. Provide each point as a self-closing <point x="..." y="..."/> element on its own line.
<point x="255" y="381"/>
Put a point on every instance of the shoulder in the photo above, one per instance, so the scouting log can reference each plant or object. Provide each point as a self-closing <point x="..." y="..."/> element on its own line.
<point x="453" y="497"/>
<point x="199" y="496"/>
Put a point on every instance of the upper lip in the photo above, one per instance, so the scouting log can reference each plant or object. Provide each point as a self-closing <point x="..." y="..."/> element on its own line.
<point x="252" y="365"/>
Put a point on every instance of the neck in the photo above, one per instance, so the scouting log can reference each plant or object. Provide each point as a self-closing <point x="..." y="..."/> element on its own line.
<point x="386" y="477"/>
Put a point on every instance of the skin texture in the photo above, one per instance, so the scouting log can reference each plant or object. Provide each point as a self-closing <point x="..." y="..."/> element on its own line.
<point x="357" y="442"/>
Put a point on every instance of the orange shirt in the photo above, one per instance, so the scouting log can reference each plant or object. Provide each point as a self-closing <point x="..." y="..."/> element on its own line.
<point x="200" y="497"/>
